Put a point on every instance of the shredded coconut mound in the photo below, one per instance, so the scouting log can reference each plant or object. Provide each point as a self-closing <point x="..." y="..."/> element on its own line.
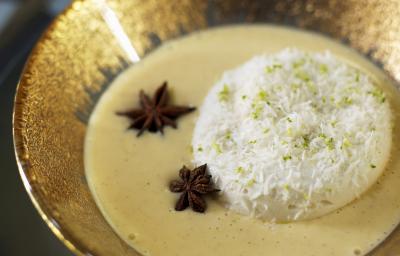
<point x="293" y="135"/>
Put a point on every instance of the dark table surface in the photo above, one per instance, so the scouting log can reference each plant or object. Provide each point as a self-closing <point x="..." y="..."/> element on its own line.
<point x="22" y="231"/>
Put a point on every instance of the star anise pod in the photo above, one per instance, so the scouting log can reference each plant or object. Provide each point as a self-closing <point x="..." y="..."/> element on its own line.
<point x="155" y="113"/>
<point x="193" y="185"/>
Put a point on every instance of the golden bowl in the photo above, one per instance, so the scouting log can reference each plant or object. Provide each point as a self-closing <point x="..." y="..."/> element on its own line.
<point x="86" y="47"/>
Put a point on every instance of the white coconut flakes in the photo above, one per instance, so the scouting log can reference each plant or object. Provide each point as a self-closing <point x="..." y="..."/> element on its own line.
<point x="293" y="135"/>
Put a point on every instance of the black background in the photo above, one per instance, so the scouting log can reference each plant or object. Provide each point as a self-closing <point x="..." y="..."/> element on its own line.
<point x="22" y="231"/>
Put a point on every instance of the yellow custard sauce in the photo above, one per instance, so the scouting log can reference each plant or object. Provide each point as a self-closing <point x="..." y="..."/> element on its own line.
<point x="129" y="175"/>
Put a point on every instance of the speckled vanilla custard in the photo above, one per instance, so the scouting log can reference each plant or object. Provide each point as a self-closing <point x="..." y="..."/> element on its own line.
<point x="293" y="135"/>
<point x="129" y="176"/>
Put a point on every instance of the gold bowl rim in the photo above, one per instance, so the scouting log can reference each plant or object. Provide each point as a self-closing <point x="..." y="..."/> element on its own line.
<point x="20" y="152"/>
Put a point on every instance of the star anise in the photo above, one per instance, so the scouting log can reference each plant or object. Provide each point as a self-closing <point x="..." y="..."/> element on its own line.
<point x="155" y="113"/>
<point x="193" y="185"/>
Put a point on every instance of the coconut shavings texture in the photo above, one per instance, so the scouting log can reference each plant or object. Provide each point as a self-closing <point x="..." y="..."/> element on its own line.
<point x="293" y="135"/>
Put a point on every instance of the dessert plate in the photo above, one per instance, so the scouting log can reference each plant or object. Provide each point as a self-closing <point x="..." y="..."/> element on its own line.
<point x="93" y="41"/>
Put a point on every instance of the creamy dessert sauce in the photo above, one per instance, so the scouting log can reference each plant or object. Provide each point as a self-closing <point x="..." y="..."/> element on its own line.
<point x="129" y="176"/>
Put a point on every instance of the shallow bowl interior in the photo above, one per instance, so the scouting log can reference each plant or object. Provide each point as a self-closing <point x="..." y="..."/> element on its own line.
<point x="89" y="44"/>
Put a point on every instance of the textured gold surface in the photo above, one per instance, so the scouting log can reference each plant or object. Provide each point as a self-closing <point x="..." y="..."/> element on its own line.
<point x="79" y="55"/>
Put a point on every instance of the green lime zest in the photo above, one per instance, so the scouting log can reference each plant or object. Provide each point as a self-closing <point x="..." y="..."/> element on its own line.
<point x="346" y="143"/>
<point x="306" y="141"/>
<point x="295" y="86"/>
<point x="302" y="76"/>
<point x="257" y="112"/>
<point x="228" y="135"/>
<point x="272" y="68"/>
<point x="299" y="63"/>
<point x="357" y="77"/>
<point x="345" y="101"/>
<point x="330" y="143"/>
<point x="251" y="182"/>
<point x="378" y="94"/>
<point x="223" y="95"/>
<point x="240" y="170"/>
<point x="216" y="147"/>
<point x="312" y="87"/>
<point x="286" y="157"/>
<point x="323" y="69"/>
<point x="286" y="187"/>
<point x="262" y="95"/>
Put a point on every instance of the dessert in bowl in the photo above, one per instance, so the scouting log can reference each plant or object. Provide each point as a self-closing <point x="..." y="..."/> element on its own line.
<point x="308" y="119"/>
<point x="287" y="136"/>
